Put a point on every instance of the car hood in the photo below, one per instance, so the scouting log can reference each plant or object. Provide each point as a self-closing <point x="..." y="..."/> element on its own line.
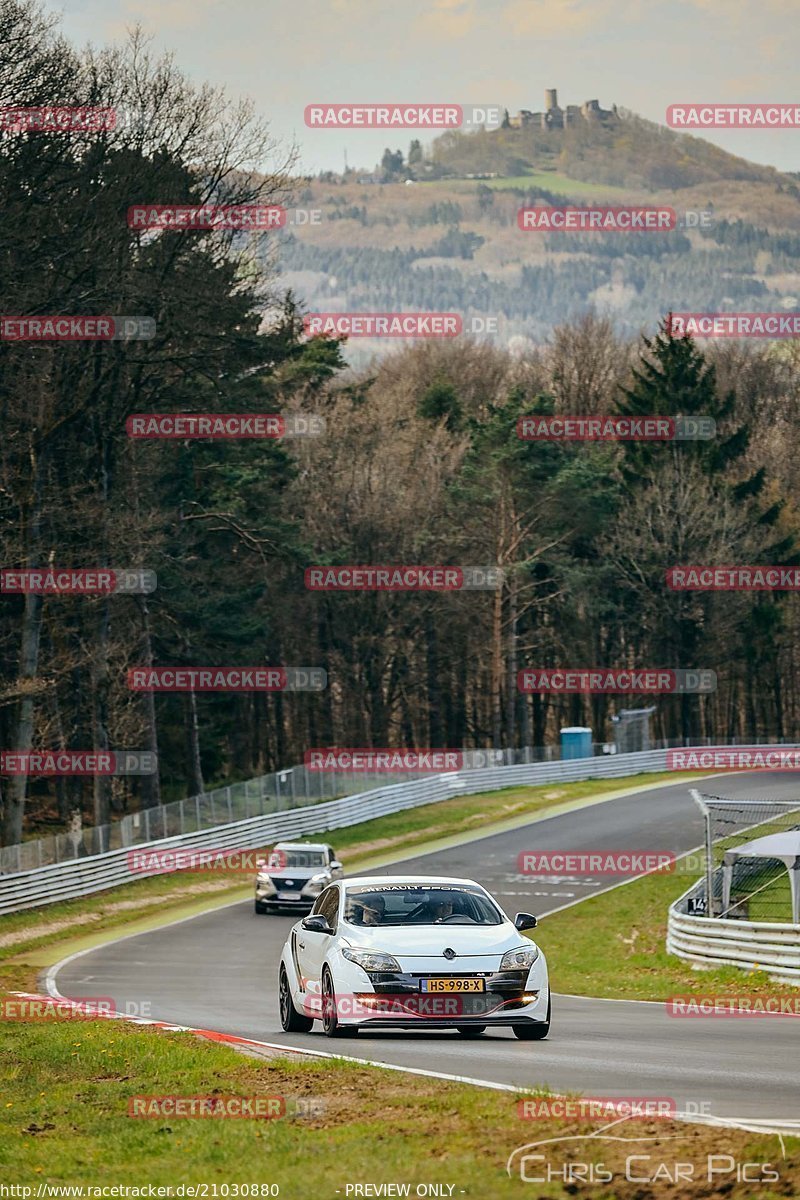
<point x="430" y="941"/>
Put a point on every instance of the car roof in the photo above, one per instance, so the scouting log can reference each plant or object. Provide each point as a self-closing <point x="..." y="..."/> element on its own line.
<point x="383" y="880"/>
<point x="300" y="846"/>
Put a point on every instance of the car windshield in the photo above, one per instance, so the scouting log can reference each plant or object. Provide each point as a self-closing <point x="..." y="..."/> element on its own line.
<point x="419" y="904"/>
<point x="299" y="858"/>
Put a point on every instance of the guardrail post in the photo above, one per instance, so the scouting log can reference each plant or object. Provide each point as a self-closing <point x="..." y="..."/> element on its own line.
<point x="147" y="824"/>
<point x="230" y="808"/>
<point x="183" y="817"/>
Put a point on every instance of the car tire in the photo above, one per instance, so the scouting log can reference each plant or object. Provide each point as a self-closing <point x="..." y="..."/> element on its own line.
<point x="471" y="1031"/>
<point x="291" y="1020"/>
<point x="534" y="1033"/>
<point x="330" y="1024"/>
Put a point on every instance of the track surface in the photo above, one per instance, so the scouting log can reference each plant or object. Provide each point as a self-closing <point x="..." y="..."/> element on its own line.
<point x="218" y="971"/>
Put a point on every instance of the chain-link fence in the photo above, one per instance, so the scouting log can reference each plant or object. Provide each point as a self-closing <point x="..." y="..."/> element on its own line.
<point x="277" y="792"/>
<point x="752" y="868"/>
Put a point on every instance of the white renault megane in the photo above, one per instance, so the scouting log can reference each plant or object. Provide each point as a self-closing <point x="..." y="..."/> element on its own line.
<point x="412" y="952"/>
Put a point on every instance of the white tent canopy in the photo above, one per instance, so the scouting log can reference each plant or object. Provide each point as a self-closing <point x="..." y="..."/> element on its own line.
<point x="782" y="846"/>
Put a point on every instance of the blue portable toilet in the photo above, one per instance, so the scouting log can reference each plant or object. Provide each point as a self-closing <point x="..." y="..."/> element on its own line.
<point x="576" y="742"/>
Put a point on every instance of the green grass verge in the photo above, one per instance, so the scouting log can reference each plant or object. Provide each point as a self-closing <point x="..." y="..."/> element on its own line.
<point x="614" y="945"/>
<point x="144" y="902"/>
<point x="66" y="1087"/>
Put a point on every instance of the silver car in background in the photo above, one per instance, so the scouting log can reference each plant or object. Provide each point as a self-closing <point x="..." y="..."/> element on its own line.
<point x="293" y="876"/>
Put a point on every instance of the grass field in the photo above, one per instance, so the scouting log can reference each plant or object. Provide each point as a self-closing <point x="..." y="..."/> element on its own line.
<point x="614" y="945"/>
<point x="67" y="1087"/>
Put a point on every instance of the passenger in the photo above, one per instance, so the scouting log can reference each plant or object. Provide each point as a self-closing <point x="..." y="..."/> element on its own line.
<point x="367" y="911"/>
<point x="374" y="910"/>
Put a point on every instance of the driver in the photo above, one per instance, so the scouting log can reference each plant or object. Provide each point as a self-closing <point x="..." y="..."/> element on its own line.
<point x="440" y="910"/>
<point x="369" y="911"/>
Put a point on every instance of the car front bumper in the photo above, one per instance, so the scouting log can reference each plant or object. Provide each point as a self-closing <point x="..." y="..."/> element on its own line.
<point x="397" y="1001"/>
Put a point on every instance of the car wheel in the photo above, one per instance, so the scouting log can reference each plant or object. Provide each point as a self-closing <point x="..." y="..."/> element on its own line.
<point x="330" y="1023"/>
<point x="471" y="1031"/>
<point x="534" y="1033"/>
<point x="260" y="909"/>
<point x="291" y="1020"/>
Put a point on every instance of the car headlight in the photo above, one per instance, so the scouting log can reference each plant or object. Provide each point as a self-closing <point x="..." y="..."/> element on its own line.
<point x="521" y="959"/>
<point x="372" y="960"/>
<point x="264" y="882"/>
<point x="316" y="883"/>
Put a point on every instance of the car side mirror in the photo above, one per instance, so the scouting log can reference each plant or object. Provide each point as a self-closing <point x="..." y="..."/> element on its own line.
<point x="316" y="924"/>
<point x="334" y="865"/>
<point x="525" y="921"/>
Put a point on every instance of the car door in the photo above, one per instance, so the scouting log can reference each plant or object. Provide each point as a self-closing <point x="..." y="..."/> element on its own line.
<point x="313" y="946"/>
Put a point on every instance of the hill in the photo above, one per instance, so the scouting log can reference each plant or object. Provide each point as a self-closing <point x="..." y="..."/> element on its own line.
<point x="627" y="152"/>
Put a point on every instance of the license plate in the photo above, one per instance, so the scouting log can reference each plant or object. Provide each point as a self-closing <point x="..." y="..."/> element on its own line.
<point x="453" y="985"/>
<point x="288" y="896"/>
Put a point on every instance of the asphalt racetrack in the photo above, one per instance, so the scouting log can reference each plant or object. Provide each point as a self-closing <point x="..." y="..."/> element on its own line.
<point x="219" y="971"/>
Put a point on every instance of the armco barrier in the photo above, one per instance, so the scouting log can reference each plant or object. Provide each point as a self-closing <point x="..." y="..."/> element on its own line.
<point x="83" y="876"/>
<point x="766" y="945"/>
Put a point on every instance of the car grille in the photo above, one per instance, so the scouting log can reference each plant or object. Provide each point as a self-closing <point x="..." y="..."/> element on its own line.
<point x="289" y="883"/>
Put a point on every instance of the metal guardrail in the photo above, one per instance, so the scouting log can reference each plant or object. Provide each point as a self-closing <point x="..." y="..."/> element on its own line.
<point x="95" y="873"/>
<point x="276" y="792"/>
<point x="716" y="941"/>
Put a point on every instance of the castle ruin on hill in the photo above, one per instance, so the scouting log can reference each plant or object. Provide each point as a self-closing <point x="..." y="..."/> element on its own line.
<point x="555" y="117"/>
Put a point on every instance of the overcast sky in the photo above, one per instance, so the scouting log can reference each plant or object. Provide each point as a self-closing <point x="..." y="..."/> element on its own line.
<point x="640" y="54"/>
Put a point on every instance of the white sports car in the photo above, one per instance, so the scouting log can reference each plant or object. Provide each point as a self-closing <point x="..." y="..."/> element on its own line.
<point x="412" y="952"/>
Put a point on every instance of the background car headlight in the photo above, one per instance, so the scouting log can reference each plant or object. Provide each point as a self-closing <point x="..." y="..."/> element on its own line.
<point x="316" y="883"/>
<point x="372" y="960"/>
<point x="519" y="960"/>
<point x="264" y="883"/>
